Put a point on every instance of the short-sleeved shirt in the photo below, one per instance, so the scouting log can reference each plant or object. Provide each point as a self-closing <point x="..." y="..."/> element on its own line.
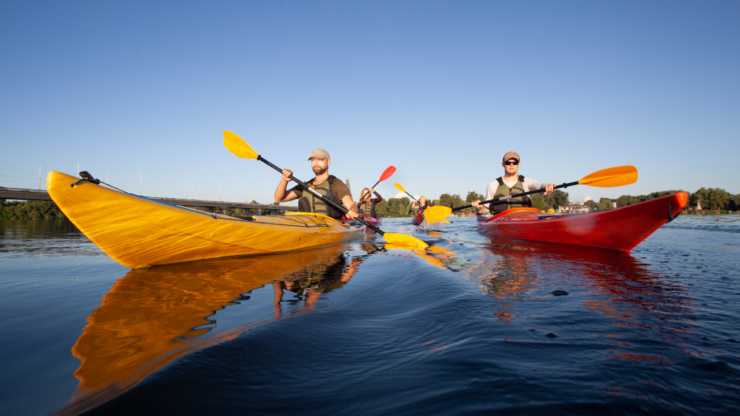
<point x="338" y="189"/>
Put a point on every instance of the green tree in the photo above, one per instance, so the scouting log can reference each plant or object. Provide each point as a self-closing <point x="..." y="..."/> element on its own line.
<point x="605" y="203"/>
<point x="710" y="198"/>
<point x="538" y="201"/>
<point x="473" y="196"/>
<point x="445" y="200"/>
<point x="592" y="205"/>
<point x="735" y="202"/>
<point x="381" y="208"/>
<point x="719" y="198"/>
<point x="557" y="199"/>
<point x="451" y="200"/>
<point x="405" y="206"/>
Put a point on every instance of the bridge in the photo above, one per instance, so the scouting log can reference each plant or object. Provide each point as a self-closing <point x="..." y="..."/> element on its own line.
<point x="210" y="206"/>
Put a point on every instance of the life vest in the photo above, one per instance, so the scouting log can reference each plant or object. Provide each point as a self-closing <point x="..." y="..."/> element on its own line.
<point x="319" y="277"/>
<point x="504" y="190"/>
<point x="313" y="204"/>
<point x="367" y="209"/>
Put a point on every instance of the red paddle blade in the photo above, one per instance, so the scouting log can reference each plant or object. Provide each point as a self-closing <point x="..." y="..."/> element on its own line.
<point x="388" y="173"/>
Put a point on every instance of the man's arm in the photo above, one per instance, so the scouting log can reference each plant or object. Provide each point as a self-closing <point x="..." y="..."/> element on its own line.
<point x="350" y="205"/>
<point x="534" y="185"/>
<point x="281" y="193"/>
<point x="489" y="195"/>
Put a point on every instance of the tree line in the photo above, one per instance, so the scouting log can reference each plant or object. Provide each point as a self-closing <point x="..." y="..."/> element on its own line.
<point x="16" y="210"/>
<point x="710" y="198"/>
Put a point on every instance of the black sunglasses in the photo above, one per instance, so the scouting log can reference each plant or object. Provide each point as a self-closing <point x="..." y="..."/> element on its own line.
<point x="510" y="162"/>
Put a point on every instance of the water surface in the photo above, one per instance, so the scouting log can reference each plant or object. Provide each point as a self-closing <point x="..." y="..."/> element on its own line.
<point x="469" y="326"/>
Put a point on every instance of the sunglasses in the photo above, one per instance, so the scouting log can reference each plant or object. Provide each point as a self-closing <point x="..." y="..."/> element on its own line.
<point x="511" y="162"/>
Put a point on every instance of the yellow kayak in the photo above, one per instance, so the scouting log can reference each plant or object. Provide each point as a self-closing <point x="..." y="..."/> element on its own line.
<point x="140" y="232"/>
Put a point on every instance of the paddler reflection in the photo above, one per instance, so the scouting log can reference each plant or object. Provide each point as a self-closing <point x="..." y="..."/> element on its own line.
<point x="310" y="282"/>
<point x="153" y="316"/>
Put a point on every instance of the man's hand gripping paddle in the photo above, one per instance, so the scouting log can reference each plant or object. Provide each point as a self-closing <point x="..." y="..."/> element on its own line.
<point x="240" y="148"/>
<point x="605" y="178"/>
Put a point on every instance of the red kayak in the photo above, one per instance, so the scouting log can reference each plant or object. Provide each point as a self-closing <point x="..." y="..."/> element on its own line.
<point x="370" y="220"/>
<point x="616" y="229"/>
<point x="417" y="219"/>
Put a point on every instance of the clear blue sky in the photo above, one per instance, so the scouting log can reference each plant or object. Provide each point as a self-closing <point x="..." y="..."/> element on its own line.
<point x="441" y="90"/>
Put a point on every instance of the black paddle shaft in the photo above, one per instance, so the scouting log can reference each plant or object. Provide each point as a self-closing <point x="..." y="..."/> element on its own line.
<point x="504" y="199"/>
<point x="321" y="197"/>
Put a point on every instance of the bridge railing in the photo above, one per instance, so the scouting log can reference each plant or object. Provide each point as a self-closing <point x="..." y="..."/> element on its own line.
<point x="41" y="195"/>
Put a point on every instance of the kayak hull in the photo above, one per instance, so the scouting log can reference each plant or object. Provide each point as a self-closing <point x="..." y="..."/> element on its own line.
<point x="139" y="232"/>
<point x="417" y="219"/>
<point x="370" y="220"/>
<point x="618" y="229"/>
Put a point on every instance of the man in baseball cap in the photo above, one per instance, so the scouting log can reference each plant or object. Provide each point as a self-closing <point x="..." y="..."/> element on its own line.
<point x="511" y="183"/>
<point x="325" y="184"/>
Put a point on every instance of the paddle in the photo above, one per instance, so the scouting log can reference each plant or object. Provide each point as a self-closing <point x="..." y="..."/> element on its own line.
<point x="400" y="188"/>
<point x="605" y="178"/>
<point x="240" y="148"/>
<point x="387" y="174"/>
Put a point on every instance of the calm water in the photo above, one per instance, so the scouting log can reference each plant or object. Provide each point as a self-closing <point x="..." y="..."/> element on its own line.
<point x="468" y="327"/>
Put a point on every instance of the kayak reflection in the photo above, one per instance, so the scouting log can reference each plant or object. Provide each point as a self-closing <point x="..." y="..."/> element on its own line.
<point x="614" y="283"/>
<point x="153" y="316"/>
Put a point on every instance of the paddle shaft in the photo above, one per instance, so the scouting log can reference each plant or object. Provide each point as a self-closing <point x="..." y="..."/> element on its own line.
<point x="363" y="195"/>
<point x="321" y="197"/>
<point x="503" y="199"/>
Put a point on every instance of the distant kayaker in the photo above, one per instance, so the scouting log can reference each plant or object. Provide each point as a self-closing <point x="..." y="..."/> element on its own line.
<point x="420" y="205"/>
<point x="326" y="184"/>
<point x="511" y="183"/>
<point x="366" y="204"/>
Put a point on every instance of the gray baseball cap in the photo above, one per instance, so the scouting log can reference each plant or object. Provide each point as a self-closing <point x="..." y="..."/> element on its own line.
<point x="319" y="153"/>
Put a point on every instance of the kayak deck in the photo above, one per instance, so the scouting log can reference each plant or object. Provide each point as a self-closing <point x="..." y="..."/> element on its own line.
<point x="140" y="232"/>
<point x="618" y="229"/>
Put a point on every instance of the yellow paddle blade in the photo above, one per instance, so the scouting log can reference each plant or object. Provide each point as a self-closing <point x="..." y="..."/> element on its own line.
<point x="444" y="222"/>
<point x="437" y="213"/>
<point x="611" y="177"/>
<point x="404" y="241"/>
<point x="399" y="187"/>
<point x="238" y="146"/>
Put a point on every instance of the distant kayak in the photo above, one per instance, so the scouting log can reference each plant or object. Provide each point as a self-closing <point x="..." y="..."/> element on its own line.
<point x="417" y="219"/>
<point x="140" y="232"/>
<point x="370" y="220"/>
<point x="618" y="229"/>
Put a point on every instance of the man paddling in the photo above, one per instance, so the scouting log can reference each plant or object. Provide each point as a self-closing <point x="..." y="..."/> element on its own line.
<point x="325" y="184"/>
<point x="511" y="183"/>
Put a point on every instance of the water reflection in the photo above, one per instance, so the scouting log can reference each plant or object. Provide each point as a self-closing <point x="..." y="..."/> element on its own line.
<point x="50" y="238"/>
<point x="153" y="316"/>
<point x="625" y="291"/>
